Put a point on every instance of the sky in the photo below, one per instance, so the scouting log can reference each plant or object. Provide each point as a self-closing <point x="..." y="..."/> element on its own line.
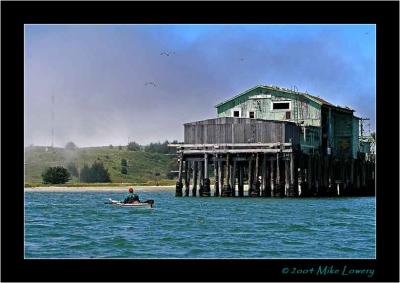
<point x="115" y="83"/>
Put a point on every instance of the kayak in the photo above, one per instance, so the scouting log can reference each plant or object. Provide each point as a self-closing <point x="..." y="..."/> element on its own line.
<point x="145" y="204"/>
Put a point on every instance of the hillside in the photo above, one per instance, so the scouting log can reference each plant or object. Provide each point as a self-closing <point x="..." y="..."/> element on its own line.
<point x="142" y="166"/>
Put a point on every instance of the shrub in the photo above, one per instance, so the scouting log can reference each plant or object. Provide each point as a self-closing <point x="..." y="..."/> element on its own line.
<point x="71" y="167"/>
<point x="124" y="170"/>
<point x="95" y="174"/>
<point x="133" y="146"/>
<point x="56" y="175"/>
<point x="124" y="163"/>
<point x="71" y="146"/>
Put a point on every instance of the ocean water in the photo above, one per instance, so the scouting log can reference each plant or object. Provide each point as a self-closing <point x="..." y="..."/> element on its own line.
<point x="80" y="225"/>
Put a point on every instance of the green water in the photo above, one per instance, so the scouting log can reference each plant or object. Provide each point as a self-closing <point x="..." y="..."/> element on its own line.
<point x="80" y="225"/>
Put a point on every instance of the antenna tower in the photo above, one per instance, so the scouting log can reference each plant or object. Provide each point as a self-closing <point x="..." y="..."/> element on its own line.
<point x="52" y="120"/>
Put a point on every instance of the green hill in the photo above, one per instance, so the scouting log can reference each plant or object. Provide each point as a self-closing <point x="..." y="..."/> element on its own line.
<point x="142" y="167"/>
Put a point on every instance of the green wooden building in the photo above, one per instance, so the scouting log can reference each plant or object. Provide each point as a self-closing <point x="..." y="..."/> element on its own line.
<point x="329" y="129"/>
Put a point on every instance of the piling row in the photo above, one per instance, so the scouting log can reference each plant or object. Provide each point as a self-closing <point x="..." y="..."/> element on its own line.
<point x="278" y="174"/>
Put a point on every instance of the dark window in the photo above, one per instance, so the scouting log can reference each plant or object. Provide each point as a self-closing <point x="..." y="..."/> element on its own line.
<point x="251" y="114"/>
<point x="280" y="105"/>
<point x="288" y="115"/>
<point x="236" y="114"/>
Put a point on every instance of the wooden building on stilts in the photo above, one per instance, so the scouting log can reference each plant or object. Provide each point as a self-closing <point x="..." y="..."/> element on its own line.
<point x="275" y="142"/>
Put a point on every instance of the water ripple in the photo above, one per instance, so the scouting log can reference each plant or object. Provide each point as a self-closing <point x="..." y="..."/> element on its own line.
<point x="79" y="225"/>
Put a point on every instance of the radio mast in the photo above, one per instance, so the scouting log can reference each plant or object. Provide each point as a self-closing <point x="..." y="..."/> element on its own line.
<point x="52" y="120"/>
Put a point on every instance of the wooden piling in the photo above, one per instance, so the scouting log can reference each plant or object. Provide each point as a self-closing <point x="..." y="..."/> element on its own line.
<point x="272" y="180"/>
<point x="302" y="175"/>
<point x="201" y="178"/>
<point x="264" y="175"/>
<point x="179" y="185"/>
<point x="241" y="180"/>
<point x="250" y="176"/>
<point x="206" y="185"/>
<point x="256" y="182"/>
<point x="226" y="189"/>
<point x="234" y="169"/>
<point x="279" y="184"/>
<point x="287" y="169"/>
<point x="317" y="174"/>
<point x="195" y="177"/>
<point x="216" y="174"/>
<point x="187" y="178"/>
<point x="309" y="175"/>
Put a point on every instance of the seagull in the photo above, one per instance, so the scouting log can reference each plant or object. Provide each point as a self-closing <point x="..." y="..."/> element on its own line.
<point x="366" y="33"/>
<point x="150" y="83"/>
<point x="164" y="53"/>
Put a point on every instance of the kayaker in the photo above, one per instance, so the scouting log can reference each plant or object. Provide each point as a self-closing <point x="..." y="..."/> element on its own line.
<point x="131" y="197"/>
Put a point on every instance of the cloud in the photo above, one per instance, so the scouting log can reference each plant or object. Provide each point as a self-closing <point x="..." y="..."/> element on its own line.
<point x="98" y="76"/>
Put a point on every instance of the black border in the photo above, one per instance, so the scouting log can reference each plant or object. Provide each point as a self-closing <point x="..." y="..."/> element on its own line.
<point x="16" y="14"/>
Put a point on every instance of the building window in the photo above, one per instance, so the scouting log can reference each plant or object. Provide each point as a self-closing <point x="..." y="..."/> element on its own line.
<point x="251" y="114"/>
<point x="288" y="115"/>
<point x="281" y="105"/>
<point x="236" y="112"/>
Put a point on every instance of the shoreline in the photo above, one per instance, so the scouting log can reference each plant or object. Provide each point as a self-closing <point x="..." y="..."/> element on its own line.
<point x="107" y="189"/>
<point x="100" y="189"/>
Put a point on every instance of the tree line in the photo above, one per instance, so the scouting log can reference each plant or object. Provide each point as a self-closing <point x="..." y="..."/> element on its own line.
<point x="96" y="173"/>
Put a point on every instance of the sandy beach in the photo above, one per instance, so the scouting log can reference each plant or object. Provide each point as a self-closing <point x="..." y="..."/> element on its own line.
<point x="101" y="189"/>
<point x="107" y="189"/>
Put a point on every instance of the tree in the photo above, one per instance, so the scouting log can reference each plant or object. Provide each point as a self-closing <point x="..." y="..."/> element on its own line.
<point x="133" y="146"/>
<point x="124" y="170"/>
<point x="120" y="147"/>
<point x="56" y="175"/>
<point x="124" y="162"/>
<point x="95" y="174"/>
<point x="161" y="147"/>
<point x="70" y="145"/>
<point x="71" y="167"/>
<point x="110" y="146"/>
<point x="100" y="173"/>
<point x="86" y="176"/>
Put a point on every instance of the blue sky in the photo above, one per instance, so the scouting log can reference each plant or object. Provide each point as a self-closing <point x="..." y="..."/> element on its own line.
<point x="98" y="75"/>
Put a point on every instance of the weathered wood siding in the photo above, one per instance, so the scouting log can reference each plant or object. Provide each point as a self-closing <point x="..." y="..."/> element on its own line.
<point x="240" y="130"/>
<point x="260" y="99"/>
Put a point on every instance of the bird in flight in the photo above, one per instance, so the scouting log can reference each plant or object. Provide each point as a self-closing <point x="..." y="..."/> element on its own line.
<point x="241" y="59"/>
<point x="167" y="54"/>
<point x="150" y="83"/>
